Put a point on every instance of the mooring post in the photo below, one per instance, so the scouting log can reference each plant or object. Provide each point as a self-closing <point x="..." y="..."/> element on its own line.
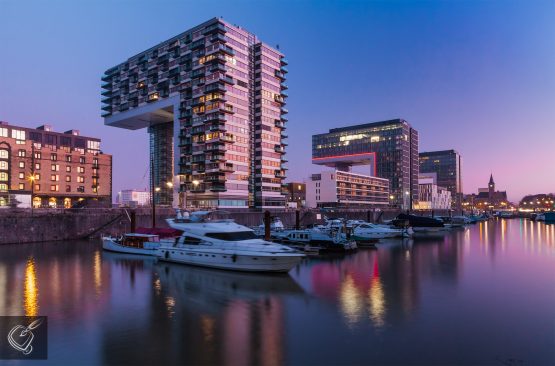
<point x="297" y="220"/>
<point x="267" y="225"/>
<point x="133" y="221"/>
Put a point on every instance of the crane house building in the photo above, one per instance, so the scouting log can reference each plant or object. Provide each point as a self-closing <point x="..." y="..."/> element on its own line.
<point x="43" y="168"/>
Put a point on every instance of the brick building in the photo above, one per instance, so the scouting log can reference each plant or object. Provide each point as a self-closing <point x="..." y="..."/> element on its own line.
<point x="52" y="169"/>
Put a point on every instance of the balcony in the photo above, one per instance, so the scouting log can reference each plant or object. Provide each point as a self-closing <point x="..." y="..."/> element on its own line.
<point x="284" y="61"/>
<point x="279" y="74"/>
<point x="107" y="108"/>
<point x="153" y="97"/>
<point x="227" y="168"/>
<point x="218" y="188"/>
<point x="216" y="28"/>
<point x="219" y="87"/>
<point x="227" y="138"/>
<point x="217" y="127"/>
<point x="279" y="124"/>
<point x="106" y="114"/>
<point x="215" y="158"/>
<point x="229" y="109"/>
<point x="278" y="98"/>
<point x="284" y="86"/>
<point x="230" y="51"/>
<point x="106" y="93"/>
<point x="284" y="167"/>
<point x="107" y="100"/>
<point x="215" y="147"/>
<point x="279" y="174"/>
<point x="229" y="80"/>
<point x="284" y="135"/>
<point x="284" y="69"/>
<point x="107" y="85"/>
<point x="218" y="38"/>
<point x="220" y="117"/>
<point x="284" y="159"/>
<point x="279" y="149"/>
<point x="196" y="188"/>
<point x="107" y="78"/>
<point x="218" y="67"/>
<point x="284" y="110"/>
<point x="284" y="119"/>
<point x="284" y="94"/>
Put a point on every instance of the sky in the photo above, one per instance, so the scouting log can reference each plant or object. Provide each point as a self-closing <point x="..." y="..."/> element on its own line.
<point x="475" y="76"/>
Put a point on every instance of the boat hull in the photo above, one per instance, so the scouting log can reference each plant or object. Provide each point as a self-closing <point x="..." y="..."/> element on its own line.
<point x="112" y="246"/>
<point x="231" y="261"/>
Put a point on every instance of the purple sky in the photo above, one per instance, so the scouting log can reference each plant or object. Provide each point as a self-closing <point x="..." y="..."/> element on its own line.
<point x="476" y="76"/>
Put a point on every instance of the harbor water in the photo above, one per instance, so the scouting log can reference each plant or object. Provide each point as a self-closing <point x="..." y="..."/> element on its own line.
<point x="484" y="295"/>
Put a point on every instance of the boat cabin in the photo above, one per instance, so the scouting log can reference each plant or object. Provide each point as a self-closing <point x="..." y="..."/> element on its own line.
<point x="139" y="240"/>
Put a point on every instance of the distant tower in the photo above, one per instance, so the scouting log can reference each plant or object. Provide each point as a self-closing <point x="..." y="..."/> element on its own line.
<point x="491" y="187"/>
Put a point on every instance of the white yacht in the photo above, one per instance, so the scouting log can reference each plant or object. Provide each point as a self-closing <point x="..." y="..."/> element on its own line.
<point x="220" y="243"/>
<point x="369" y="231"/>
<point x="326" y="243"/>
<point x="143" y="244"/>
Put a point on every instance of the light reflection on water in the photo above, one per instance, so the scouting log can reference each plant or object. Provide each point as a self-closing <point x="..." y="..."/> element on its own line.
<point x="473" y="296"/>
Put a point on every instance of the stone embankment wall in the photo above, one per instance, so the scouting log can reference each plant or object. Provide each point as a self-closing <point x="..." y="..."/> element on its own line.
<point x="26" y="226"/>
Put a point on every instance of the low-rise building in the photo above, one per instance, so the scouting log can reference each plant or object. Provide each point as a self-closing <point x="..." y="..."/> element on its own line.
<point x="296" y="194"/>
<point x="430" y="195"/>
<point x="52" y="169"/>
<point x="487" y="198"/>
<point x="133" y="197"/>
<point x="346" y="190"/>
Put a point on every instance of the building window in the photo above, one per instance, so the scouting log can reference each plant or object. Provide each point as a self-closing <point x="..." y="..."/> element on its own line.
<point x="81" y="189"/>
<point x="3" y="165"/>
<point x="55" y="167"/>
<point x="38" y="155"/>
<point x="68" y="169"/>
<point x="37" y="166"/>
<point x="37" y="187"/>
<point x="80" y="179"/>
<point x="3" y="187"/>
<point x="22" y="164"/>
<point x="21" y="175"/>
<point x="80" y="169"/>
<point x="4" y="154"/>
<point x="54" y="177"/>
<point x="54" y="188"/>
<point x="21" y="153"/>
<point x="82" y="160"/>
<point x="3" y="132"/>
<point x="4" y="177"/>
<point x="68" y="158"/>
<point x="68" y="188"/>
<point x="21" y="186"/>
<point x="18" y="134"/>
<point x="68" y="178"/>
<point x="53" y="157"/>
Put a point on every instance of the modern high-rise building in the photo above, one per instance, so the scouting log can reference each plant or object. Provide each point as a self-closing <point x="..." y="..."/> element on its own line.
<point x="431" y="196"/>
<point x="213" y="100"/>
<point x="447" y="164"/>
<point x="52" y="169"/>
<point x="389" y="148"/>
<point x="133" y="197"/>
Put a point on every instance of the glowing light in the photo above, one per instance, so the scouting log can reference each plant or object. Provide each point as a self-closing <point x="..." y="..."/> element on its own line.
<point x="157" y="189"/>
<point x="196" y="182"/>
<point x="350" y="300"/>
<point x="169" y="184"/>
<point x="97" y="267"/>
<point x="31" y="292"/>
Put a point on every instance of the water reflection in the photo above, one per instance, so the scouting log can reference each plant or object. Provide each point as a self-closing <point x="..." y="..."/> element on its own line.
<point x="440" y="299"/>
<point x="31" y="293"/>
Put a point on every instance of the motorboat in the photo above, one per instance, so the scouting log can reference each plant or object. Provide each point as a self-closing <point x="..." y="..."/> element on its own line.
<point x="419" y="224"/>
<point x="209" y="241"/>
<point x="540" y="217"/>
<point x="311" y="238"/>
<point x="368" y="231"/>
<point x="275" y="225"/>
<point x="454" y="221"/>
<point x="133" y="243"/>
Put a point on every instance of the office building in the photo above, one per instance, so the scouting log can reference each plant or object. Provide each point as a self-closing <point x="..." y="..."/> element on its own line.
<point x="296" y="194"/>
<point x="447" y="164"/>
<point x="341" y="189"/>
<point x="133" y="197"/>
<point x="389" y="148"/>
<point x="52" y="169"/>
<point x="213" y="101"/>
<point x="431" y="196"/>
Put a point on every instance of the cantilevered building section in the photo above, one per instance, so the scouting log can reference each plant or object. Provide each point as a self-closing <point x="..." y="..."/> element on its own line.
<point x="213" y="100"/>
<point x="390" y="148"/>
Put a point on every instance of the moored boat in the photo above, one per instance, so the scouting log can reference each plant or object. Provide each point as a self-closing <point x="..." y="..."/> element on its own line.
<point x="208" y="241"/>
<point x="133" y="243"/>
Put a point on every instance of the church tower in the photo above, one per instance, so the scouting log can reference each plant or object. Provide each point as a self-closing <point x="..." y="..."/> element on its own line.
<point x="491" y="187"/>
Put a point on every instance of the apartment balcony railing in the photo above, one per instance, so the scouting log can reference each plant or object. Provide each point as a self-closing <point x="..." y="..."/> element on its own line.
<point x="228" y="168"/>
<point x="284" y="86"/>
<point x="279" y="74"/>
<point x="284" y="61"/>
<point x="284" y="110"/>
<point x="216" y="28"/>
<point x="279" y="174"/>
<point x="279" y="149"/>
<point x="278" y="123"/>
<point x="218" y="188"/>
<point x="284" y="69"/>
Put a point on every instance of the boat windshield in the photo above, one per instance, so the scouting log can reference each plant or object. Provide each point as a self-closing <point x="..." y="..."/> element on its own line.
<point x="233" y="236"/>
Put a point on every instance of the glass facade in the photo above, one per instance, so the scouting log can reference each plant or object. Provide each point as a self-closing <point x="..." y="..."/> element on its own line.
<point x="447" y="164"/>
<point x="395" y="145"/>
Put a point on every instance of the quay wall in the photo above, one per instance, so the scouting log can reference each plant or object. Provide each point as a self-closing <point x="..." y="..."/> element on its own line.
<point x="40" y="225"/>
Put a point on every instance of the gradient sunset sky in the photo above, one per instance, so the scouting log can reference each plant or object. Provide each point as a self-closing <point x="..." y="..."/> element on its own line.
<point x="476" y="76"/>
